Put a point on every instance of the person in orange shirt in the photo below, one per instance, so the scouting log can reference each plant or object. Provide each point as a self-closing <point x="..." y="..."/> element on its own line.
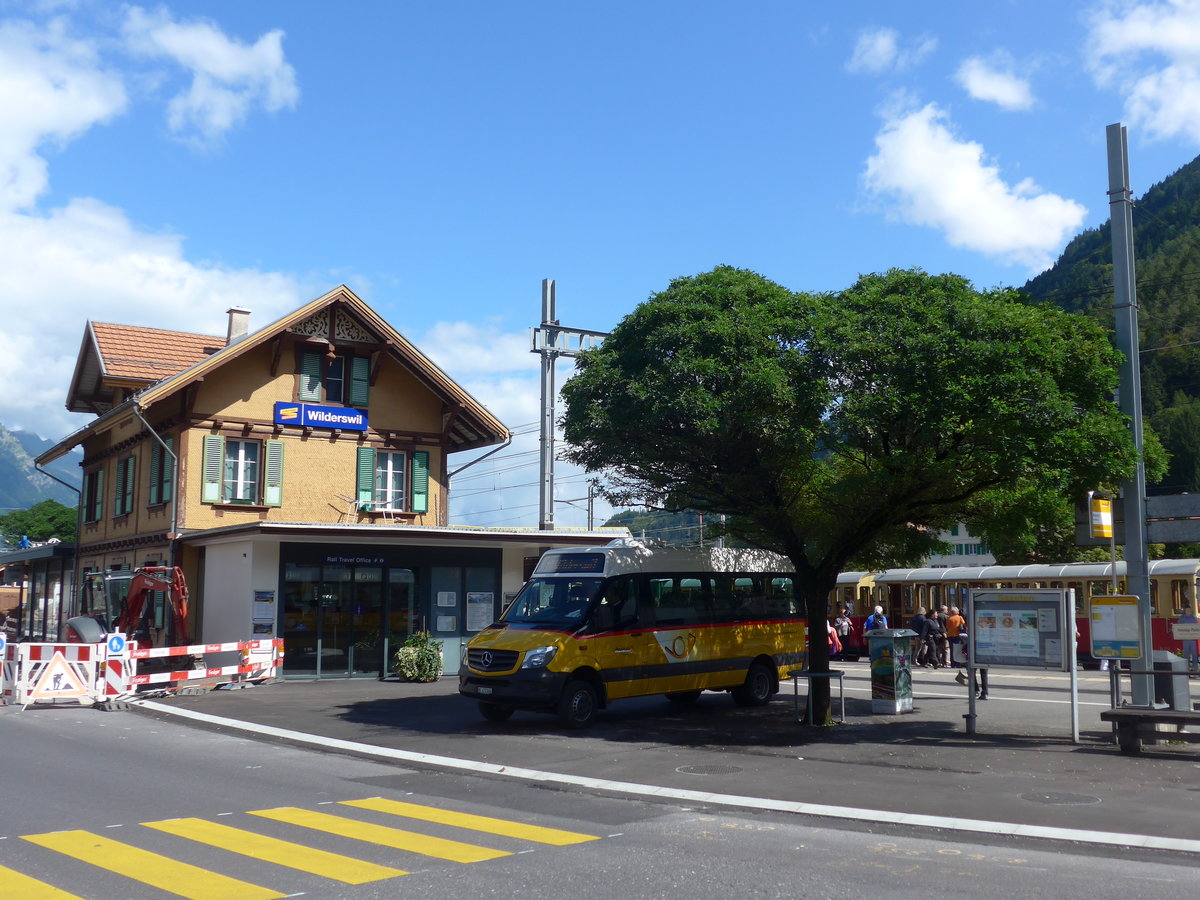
<point x="954" y="627"/>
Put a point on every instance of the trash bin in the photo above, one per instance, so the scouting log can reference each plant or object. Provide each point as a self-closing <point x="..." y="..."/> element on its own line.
<point x="891" y="677"/>
<point x="1171" y="680"/>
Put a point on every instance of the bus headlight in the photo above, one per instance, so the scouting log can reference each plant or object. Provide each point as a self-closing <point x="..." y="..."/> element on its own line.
<point x="536" y="659"/>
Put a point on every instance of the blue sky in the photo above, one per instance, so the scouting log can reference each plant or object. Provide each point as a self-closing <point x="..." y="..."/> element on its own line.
<point x="160" y="163"/>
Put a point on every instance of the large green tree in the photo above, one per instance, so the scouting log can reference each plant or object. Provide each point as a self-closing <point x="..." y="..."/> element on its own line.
<point x="41" y="522"/>
<point x="844" y="429"/>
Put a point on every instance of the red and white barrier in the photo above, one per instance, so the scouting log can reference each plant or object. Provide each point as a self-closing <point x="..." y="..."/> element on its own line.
<point x="96" y="673"/>
<point x="49" y="673"/>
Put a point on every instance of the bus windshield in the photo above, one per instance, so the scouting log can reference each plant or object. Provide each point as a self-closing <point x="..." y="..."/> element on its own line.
<point x="553" y="601"/>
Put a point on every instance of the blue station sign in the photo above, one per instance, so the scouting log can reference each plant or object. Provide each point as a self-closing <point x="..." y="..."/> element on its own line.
<point x="311" y="415"/>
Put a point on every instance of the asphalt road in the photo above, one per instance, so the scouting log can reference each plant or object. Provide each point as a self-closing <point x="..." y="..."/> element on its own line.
<point x="139" y="790"/>
<point x="1021" y="767"/>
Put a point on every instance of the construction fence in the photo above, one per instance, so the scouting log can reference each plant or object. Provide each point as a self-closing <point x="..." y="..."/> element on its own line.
<point x="102" y="673"/>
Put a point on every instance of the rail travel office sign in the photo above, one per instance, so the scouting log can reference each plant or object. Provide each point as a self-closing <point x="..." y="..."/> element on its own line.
<point x="312" y="415"/>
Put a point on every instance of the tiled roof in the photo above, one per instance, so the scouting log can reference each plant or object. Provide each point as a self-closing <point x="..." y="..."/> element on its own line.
<point x="150" y="354"/>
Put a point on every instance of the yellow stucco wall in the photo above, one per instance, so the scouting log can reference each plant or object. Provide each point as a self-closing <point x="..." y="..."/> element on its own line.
<point x="319" y="468"/>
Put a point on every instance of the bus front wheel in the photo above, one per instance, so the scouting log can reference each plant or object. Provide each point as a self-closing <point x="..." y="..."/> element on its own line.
<point x="577" y="708"/>
<point x="758" y="688"/>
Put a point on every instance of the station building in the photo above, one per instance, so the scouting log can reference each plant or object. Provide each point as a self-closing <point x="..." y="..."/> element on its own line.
<point x="298" y="474"/>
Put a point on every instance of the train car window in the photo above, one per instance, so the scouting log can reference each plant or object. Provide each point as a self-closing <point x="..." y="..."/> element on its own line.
<point x="1180" y="600"/>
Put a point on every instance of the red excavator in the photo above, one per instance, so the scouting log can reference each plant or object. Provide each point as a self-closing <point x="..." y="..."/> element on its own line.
<point x="148" y="605"/>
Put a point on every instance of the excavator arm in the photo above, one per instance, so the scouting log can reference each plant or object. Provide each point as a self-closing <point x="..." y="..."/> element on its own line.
<point x="146" y="581"/>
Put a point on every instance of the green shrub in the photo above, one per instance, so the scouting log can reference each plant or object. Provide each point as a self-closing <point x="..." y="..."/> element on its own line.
<point x="420" y="659"/>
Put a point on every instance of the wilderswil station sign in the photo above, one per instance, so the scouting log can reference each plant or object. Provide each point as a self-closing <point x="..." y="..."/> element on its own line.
<point x="311" y="415"/>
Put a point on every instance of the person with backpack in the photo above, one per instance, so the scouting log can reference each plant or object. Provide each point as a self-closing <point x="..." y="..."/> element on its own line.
<point x="876" y="620"/>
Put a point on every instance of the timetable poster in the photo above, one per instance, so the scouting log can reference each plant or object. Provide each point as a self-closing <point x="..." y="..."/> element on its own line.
<point x="1019" y="628"/>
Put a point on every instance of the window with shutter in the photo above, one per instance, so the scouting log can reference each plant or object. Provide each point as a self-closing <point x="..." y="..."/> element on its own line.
<point x="214" y="449"/>
<point x="342" y="379"/>
<point x="310" y="376"/>
<point x="162" y="471"/>
<point x="360" y="381"/>
<point x="93" y="495"/>
<point x="273" y="477"/>
<point x="123" y="492"/>
<point x="420" y="481"/>
<point x="364" y="488"/>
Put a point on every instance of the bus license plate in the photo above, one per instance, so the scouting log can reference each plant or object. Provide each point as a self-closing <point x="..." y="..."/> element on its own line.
<point x="483" y="690"/>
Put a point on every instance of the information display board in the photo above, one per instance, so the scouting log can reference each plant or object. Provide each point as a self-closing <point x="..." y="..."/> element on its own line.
<point x="1116" y="627"/>
<point x="1028" y="629"/>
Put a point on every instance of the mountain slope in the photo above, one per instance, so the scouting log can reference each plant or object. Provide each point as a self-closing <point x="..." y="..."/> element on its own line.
<point x="21" y="484"/>
<point x="1166" y="222"/>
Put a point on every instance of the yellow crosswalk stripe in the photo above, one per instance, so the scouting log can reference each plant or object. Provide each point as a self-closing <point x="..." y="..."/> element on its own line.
<point x="15" y="886"/>
<point x="150" y="868"/>
<point x="283" y="853"/>
<point x="381" y="834"/>
<point x="475" y="823"/>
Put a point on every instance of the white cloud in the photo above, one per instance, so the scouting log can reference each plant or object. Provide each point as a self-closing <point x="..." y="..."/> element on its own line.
<point x="995" y="82"/>
<point x="85" y="259"/>
<point x="1150" y="52"/>
<point x="52" y="88"/>
<point x="468" y="348"/>
<point x="937" y="180"/>
<point x="880" y="50"/>
<point x="229" y="77"/>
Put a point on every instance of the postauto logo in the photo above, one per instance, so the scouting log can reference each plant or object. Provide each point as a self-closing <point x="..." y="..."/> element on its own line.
<point x="310" y="415"/>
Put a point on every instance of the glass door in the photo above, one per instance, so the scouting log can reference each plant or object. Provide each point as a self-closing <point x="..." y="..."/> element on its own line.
<point x="366" y="653"/>
<point x="336" y="626"/>
<point x="401" y="614"/>
<point x="301" y="613"/>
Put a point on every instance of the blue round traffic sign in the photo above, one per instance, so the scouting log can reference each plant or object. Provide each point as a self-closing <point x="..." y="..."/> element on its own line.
<point x="116" y="645"/>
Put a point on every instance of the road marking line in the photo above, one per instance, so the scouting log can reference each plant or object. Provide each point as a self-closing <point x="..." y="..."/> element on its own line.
<point x="938" y="823"/>
<point x="150" y="868"/>
<point x="15" y="886"/>
<point x="283" y="853"/>
<point x="396" y="838"/>
<point x="487" y="824"/>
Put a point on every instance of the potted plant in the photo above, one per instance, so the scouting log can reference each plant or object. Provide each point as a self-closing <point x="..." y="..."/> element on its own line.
<point x="420" y="659"/>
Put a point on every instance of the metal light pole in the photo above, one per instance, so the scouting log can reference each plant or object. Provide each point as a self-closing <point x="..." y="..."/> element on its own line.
<point x="1125" y="313"/>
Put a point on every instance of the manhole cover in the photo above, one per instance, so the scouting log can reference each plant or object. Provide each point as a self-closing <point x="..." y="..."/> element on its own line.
<point x="709" y="770"/>
<point x="1061" y="799"/>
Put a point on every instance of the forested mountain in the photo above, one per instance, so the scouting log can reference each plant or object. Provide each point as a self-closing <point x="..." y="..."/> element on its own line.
<point x="21" y="484"/>
<point x="1166" y="225"/>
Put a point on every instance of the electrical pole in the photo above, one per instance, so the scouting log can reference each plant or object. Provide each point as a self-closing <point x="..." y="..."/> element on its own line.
<point x="552" y="340"/>
<point x="1125" y="313"/>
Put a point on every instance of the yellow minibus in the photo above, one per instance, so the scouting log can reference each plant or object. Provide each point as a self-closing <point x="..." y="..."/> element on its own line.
<point x="598" y="624"/>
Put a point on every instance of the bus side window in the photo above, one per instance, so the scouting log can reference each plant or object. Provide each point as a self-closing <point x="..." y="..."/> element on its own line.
<point x="617" y="606"/>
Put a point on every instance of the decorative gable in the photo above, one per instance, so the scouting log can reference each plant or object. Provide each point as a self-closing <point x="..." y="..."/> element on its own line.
<point x="346" y="328"/>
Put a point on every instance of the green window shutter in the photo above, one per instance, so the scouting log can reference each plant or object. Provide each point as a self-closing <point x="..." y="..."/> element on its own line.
<point x="360" y="380"/>
<point x="364" y="490"/>
<point x="99" y="495"/>
<point x="214" y="448"/>
<point x="273" y="484"/>
<point x="420" y="481"/>
<point x="310" y="375"/>
<point x="127" y="487"/>
<point x="168" y="471"/>
<point x="156" y="467"/>
<point x="119" y="488"/>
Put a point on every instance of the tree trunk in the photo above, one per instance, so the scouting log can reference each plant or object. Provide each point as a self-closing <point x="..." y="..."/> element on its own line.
<point x="815" y="598"/>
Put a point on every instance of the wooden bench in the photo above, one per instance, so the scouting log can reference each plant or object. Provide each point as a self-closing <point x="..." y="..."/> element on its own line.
<point x="1136" y="724"/>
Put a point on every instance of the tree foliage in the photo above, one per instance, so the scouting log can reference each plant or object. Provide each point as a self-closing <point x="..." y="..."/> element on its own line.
<point x="844" y="430"/>
<point x="41" y="522"/>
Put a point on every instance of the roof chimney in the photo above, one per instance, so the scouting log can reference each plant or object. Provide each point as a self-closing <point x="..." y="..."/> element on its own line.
<point x="239" y="324"/>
